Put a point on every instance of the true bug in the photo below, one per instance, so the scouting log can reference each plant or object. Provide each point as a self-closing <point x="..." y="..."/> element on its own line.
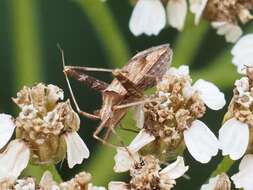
<point x="127" y="89"/>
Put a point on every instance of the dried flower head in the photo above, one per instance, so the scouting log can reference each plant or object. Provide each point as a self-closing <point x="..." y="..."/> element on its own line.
<point x="220" y="182"/>
<point x="236" y="133"/>
<point x="20" y="184"/>
<point x="146" y="174"/>
<point x="46" y="130"/>
<point x="81" y="181"/>
<point x="223" y="15"/>
<point x="172" y="118"/>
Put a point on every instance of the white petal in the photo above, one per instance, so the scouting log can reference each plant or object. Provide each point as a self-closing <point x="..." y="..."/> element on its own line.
<point x="123" y="161"/>
<point x="76" y="149"/>
<point x="243" y="53"/>
<point x="197" y="7"/>
<point x="210" y="94"/>
<point x="176" y="11"/>
<point x="232" y="32"/>
<point x="148" y="17"/>
<point x="47" y="181"/>
<point x="175" y="169"/>
<point x="181" y="71"/>
<point x="243" y="179"/>
<point x="201" y="142"/>
<point x="143" y="138"/>
<point x="211" y="184"/>
<point x="242" y="85"/>
<point x="188" y="91"/>
<point x="246" y="162"/>
<point x="117" y="185"/>
<point x="139" y="116"/>
<point x="234" y="138"/>
<point x="93" y="187"/>
<point x="14" y="160"/>
<point x="7" y="127"/>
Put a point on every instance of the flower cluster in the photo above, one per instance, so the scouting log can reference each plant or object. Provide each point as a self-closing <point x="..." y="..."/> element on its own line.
<point x="146" y="174"/>
<point x="149" y="16"/>
<point x="171" y="120"/>
<point x="46" y="130"/>
<point x="168" y="123"/>
<point x="81" y="181"/>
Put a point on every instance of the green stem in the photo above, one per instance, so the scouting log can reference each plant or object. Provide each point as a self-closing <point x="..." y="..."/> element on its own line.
<point x="187" y="45"/>
<point x="107" y="29"/>
<point x="28" y="56"/>
<point x="215" y="70"/>
<point x="223" y="166"/>
<point x="37" y="172"/>
<point x="26" y="42"/>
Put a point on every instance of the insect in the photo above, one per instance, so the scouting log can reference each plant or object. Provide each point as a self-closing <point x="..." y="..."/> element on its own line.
<point x="126" y="90"/>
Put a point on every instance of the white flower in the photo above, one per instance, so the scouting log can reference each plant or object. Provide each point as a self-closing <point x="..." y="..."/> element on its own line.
<point x="167" y="176"/>
<point x="243" y="53"/>
<point x="243" y="179"/>
<point x="92" y="187"/>
<point x="76" y="149"/>
<point x="201" y="142"/>
<point x="176" y="12"/>
<point x="148" y="17"/>
<point x="232" y="32"/>
<point x="221" y="181"/>
<point x="211" y="184"/>
<point x="13" y="160"/>
<point x="126" y="156"/>
<point x="181" y="71"/>
<point x="242" y="86"/>
<point x="54" y="93"/>
<point x="234" y="138"/>
<point x="118" y="185"/>
<point x="197" y="7"/>
<point x="174" y="170"/>
<point x="210" y="94"/>
<point x="7" y="127"/>
<point x="47" y="181"/>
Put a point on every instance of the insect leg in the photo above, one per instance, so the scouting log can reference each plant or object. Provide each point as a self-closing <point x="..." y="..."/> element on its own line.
<point x="91" y="116"/>
<point x="123" y="106"/>
<point x="98" y="130"/>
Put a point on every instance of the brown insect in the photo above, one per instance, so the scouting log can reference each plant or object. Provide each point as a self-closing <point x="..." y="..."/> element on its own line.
<point x="126" y="90"/>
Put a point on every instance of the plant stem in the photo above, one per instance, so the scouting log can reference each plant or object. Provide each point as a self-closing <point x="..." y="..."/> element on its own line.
<point x="107" y="30"/>
<point x="37" y="171"/>
<point x="187" y="46"/>
<point x="28" y="57"/>
<point x="223" y="166"/>
<point x="26" y="42"/>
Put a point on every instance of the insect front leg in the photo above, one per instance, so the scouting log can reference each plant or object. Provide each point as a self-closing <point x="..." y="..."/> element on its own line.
<point x="83" y="113"/>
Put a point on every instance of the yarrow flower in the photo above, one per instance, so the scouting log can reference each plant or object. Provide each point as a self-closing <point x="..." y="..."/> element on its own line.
<point x="81" y="181"/>
<point x="242" y="179"/>
<point x="219" y="182"/>
<point x="243" y="54"/>
<point x="149" y="16"/>
<point x="171" y="120"/>
<point x="235" y="136"/>
<point x="146" y="173"/>
<point x="45" y="130"/>
<point x="223" y="15"/>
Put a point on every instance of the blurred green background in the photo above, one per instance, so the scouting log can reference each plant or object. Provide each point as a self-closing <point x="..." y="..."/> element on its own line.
<point x="96" y="34"/>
